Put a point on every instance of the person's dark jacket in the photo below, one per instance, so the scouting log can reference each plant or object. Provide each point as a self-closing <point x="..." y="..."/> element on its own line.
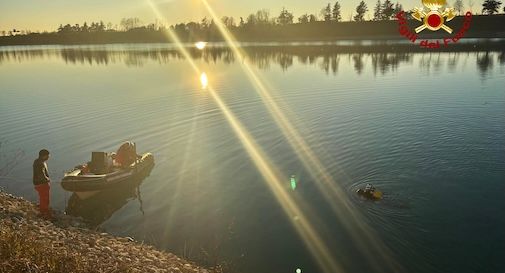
<point x="40" y="174"/>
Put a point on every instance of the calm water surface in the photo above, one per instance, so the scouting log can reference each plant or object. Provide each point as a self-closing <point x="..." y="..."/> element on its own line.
<point x="428" y="129"/>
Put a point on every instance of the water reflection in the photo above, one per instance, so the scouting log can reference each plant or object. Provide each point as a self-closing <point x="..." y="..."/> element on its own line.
<point x="265" y="57"/>
<point x="204" y="81"/>
<point x="484" y="62"/>
<point x="501" y="58"/>
<point x="415" y="137"/>
<point x="100" y="207"/>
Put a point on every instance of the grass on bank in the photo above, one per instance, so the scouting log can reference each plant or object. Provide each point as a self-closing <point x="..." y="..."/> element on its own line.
<point x="22" y="251"/>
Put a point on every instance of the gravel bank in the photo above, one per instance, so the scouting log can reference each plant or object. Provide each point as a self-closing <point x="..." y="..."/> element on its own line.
<point x="30" y="244"/>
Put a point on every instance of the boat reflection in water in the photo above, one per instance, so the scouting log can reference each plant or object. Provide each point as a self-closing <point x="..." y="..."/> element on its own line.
<point x="100" y="207"/>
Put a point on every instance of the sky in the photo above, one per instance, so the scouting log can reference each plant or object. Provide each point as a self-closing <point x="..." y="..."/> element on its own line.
<point x="38" y="15"/>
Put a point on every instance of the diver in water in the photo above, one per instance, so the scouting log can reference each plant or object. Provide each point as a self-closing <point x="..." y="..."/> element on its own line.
<point x="369" y="192"/>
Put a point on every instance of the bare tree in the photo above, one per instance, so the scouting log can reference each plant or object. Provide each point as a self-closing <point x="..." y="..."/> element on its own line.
<point x="470" y="4"/>
<point x="261" y="17"/>
<point x="458" y="6"/>
<point x="130" y="23"/>
<point x="229" y="22"/>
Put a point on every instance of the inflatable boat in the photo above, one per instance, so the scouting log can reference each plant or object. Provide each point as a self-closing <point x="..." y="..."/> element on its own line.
<point x="87" y="180"/>
<point x="101" y="206"/>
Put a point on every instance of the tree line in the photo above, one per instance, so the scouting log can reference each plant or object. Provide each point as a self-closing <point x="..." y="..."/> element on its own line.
<point x="260" y="26"/>
<point x="332" y="12"/>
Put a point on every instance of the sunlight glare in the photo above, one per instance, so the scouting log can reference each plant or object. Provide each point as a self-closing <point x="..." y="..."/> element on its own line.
<point x="336" y="197"/>
<point x="201" y="45"/>
<point x="273" y="178"/>
<point x="204" y="80"/>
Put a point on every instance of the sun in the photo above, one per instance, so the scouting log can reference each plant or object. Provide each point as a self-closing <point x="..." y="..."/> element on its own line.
<point x="201" y="45"/>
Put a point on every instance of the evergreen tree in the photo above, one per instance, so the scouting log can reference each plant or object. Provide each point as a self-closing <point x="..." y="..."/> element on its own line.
<point x="101" y="26"/>
<point x="84" y="27"/>
<point x="326" y="13"/>
<point x="285" y="17"/>
<point x="490" y="6"/>
<point x="361" y="9"/>
<point x="397" y="9"/>
<point x="336" y="12"/>
<point x="377" y="11"/>
<point x="387" y="10"/>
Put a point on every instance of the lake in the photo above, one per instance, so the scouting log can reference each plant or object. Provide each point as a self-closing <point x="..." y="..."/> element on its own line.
<point x="427" y="129"/>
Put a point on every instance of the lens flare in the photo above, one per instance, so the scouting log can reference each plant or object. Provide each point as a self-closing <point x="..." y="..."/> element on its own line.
<point x="374" y="249"/>
<point x="273" y="177"/>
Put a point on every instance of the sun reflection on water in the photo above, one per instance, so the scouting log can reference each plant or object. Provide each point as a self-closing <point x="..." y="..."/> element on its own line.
<point x="204" y="81"/>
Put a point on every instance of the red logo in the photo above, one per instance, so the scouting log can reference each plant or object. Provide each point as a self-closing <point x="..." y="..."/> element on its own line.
<point x="433" y="19"/>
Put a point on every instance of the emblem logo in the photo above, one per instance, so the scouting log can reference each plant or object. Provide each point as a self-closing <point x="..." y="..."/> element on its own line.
<point x="433" y="19"/>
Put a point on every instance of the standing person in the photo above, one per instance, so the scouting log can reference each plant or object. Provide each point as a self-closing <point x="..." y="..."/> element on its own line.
<point x="41" y="182"/>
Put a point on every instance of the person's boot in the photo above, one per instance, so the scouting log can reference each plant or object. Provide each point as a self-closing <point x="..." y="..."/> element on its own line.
<point x="47" y="215"/>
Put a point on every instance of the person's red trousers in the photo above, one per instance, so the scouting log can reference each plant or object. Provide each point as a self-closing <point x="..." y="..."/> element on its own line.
<point x="43" y="190"/>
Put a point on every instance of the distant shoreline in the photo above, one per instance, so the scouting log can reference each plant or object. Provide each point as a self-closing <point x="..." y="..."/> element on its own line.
<point x="483" y="26"/>
<point x="311" y="48"/>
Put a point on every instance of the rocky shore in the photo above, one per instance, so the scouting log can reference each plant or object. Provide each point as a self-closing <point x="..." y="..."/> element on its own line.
<point x="29" y="243"/>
